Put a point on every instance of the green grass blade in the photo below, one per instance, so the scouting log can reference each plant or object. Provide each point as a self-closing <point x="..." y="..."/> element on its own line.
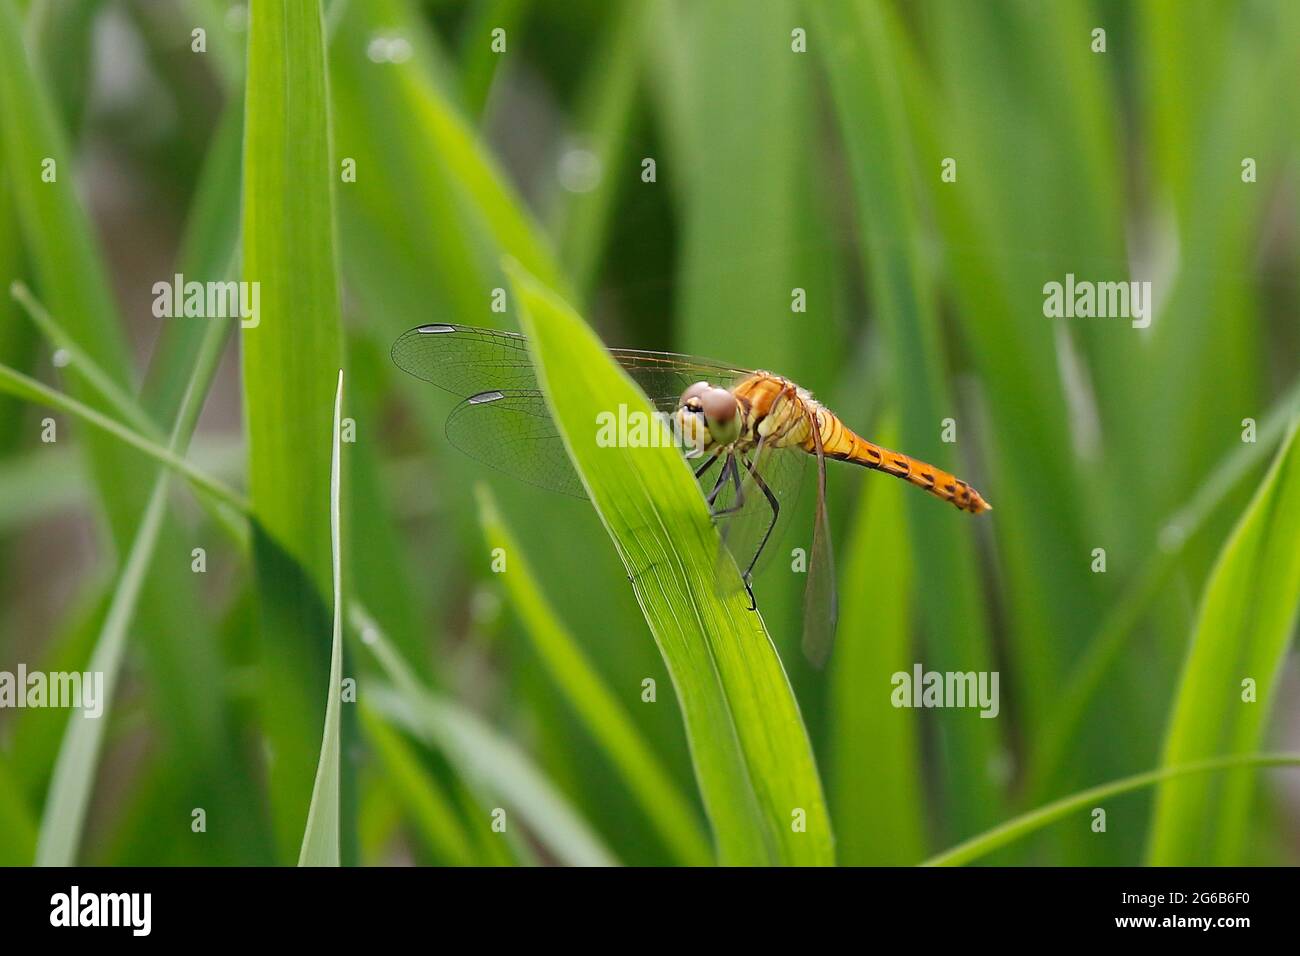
<point x="875" y="747"/>
<point x="320" y="841"/>
<point x="70" y="273"/>
<point x="98" y="379"/>
<point x="74" y="768"/>
<point x="753" y="761"/>
<point x="78" y="758"/>
<point x="1112" y="635"/>
<point x="288" y="363"/>
<point x="20" y="385"/>
<point x="593" y="701"/>
<point x="866" y="89"/>
<point x="603" y="121"/>
<point x="431" y="809"/>
<point x="408" y="139"/>
<point x="488" y="761"/>
<point x="18" y="848"/>
<point x="1247" y="616"/>
<point x="1027" y="823"/>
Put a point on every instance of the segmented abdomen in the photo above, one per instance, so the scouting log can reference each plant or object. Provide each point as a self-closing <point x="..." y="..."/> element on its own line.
<point x="840" y="442"/>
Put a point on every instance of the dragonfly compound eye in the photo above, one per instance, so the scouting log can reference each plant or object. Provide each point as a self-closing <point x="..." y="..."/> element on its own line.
<point x="720" y="412"/>
<point x="695" y="391"/>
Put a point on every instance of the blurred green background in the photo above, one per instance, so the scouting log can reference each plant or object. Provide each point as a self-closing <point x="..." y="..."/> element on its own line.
<point x="795" y="146"/>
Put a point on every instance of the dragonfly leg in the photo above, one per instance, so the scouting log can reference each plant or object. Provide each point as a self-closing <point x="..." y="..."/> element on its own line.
<point x="699" y="472"/>
<point x="718" y="485"/>
<point x="733" y="471"/>
<point x="776" y="513"/>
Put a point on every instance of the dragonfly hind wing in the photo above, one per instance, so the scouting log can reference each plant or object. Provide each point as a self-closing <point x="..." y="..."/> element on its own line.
<point x="821" y="602"/>
<point x="513" y="432"/>
<point x="466" y="361"/>
<point x="751" y="528"/>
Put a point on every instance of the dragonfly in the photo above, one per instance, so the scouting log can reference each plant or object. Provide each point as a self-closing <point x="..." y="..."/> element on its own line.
<point x="751" y="436"/>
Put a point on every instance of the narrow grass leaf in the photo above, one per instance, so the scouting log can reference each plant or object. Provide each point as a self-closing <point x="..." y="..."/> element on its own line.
<point x="490" y="763"/>
<point x="860" y="60"/>
<point x="1231" y="676"/>
<point x="20" y="385"/>
<point x="1025" y="824"/>
<point x="753" y="760"/>
<point x="320" y="841"/>
<point x="70" y="272"/>
<point x="289" y="358"/>
<point x="436" y="818"/>
<point x="72" y="781"/>
<point x="597" y="707"/>
<point x="875" y="745"/>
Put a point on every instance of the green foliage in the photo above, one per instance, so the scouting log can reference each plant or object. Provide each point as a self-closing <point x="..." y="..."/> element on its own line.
<point x="1232" y="673"/>
<point x="290" y="358"/>
<point x="752" y="756"/>
<point x="797" y="146"/>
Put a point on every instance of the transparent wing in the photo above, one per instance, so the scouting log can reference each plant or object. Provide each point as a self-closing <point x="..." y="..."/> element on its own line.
<point x="503" y="420"/>
<point x="467" y="361"/>
<point x="513" y="432"/>
<point x="752" y="520"/>
<point x="821" y="602"/>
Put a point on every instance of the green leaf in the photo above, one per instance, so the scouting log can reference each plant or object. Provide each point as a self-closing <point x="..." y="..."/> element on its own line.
<point x="1115" y="630"/>
<point x="487" y="761"/>
<point x="79" y="753"/>
<point x="20" y="385"/>
<point x="1027" y="823"/>
<point x="866" y="88"/>
<point x="753" y="761"/>
<point x="70" y="273"/>
<point x="431" y="809"/>
<point x="603" y="120"/>
<point x="595" y="704"/>
<point x="289" y="359"/>
<point x="16" y="824"/>
<point x="1246" y="619"/>
<point x="320" y="841"/>
<point x="875" y="746"/>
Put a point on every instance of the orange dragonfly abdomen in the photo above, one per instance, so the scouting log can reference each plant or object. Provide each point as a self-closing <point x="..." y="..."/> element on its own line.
<point x="842" y="443"/>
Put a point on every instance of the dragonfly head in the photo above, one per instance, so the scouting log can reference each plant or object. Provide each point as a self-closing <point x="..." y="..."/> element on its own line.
<point x="708" y="415"/>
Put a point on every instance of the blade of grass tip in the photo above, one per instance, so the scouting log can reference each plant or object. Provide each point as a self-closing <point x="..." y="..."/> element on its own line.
<point x="1232" y="672"/>
<point x="1025" y="824"/>
<point x="478" y="60"/>
<point x="16" y="383"/>
<point x="320" y="841"/>
<point x="288" y="237"/>
<point x="752" y="756"/>
<point x="75" y="766"/>
<point x="486" y="760"/>
<point x="594" y="703"/>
